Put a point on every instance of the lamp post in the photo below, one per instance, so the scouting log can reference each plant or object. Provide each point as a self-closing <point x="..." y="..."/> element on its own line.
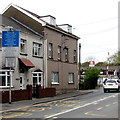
<point x="79" y="73"/>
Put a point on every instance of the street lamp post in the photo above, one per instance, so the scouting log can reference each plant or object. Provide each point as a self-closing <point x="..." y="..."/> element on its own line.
<point x="79" y="61"/>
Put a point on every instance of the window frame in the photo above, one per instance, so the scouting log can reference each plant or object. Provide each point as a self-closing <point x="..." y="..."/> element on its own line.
<point x="66" y="54"/>
<point x="50" y="50"/>
<point x="24" y="43"/>
<point x="0" y="41"/>
<point x="6" y="74"/>
<point x="37" y="76"/>
<point x="37" y="47"/>
<point x="75" y="56"/>
<point x="59" y="52"/>
<point x="53" y="81"/>
<point x="70" y="78"/>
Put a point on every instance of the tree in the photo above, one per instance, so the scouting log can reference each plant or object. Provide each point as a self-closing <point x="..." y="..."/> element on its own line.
<point x="91" y="77"/>
<point x="85" y="64"/>
<point x="114" y="59"/>
<point x="101" y="64"/>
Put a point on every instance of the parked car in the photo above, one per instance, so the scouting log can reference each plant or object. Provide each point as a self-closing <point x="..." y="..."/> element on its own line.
<point x="111" y="84"/>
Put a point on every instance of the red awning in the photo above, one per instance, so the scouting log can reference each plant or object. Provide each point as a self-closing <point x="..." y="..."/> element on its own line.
<point x="27" y="63"/>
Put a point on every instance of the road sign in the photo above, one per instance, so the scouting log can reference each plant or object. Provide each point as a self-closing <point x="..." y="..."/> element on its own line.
<point x="10" y="43"/>
<point x="10" y="51"/>
<point x="10" y="38"/>
<point x="10" y="62"/>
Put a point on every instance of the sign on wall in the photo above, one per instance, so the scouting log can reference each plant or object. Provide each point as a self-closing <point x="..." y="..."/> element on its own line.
<point x="10" y="38"/>
<point x="10" y="47"/>
<point x="10" y="43"/>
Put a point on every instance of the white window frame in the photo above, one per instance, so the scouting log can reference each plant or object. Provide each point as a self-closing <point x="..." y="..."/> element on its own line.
<point x="37" y="76"/>
<point x="6" y="78"/>
<point x="54" y="78"/>
<point x="37" y="48"/>
<point x="71" y="78"/>
<point x="23" y="42"/>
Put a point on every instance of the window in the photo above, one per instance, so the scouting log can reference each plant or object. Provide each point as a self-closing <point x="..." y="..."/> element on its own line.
<point x="0" y="42"/>
<point x="50" y="50"/>
<point x="23" y="46"/>
<point x="70" y="77"/>
<point x="5" y="78"/>
<point x="75" y="56"/>
<point x="66" y="54"/>
<point x="37" y="78"/>
<point x="59" y="52"/>
<point x="54" y="78"/>
<point x="37" y="49"/>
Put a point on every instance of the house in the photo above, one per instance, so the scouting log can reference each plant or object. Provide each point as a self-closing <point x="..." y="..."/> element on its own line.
<point x="48" y="52"/>
<point x="29" y="64"/>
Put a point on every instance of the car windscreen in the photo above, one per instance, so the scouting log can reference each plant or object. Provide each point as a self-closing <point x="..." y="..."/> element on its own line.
<point x="110" y="81"/>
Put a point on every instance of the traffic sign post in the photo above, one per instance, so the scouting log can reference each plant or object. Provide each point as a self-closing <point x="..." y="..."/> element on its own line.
<point x="10" y="47"/>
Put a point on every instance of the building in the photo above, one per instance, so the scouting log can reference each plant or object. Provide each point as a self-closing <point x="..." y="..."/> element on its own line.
<point x="28" y="64"/>
<point x="50" y="49"/>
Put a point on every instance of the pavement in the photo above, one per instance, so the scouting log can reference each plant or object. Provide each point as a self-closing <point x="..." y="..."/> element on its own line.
<point x="23" y="103"/>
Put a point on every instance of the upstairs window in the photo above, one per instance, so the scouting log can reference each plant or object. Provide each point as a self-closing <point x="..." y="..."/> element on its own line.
<point x="75" y="56"/>
<point x="66" y="55"/>
<point x="37" y="49"/>
<point x="23" y="46"/>
<point x="0" y="41"/>
<point x="59" y="52"/>
<point x="50" y="50"/>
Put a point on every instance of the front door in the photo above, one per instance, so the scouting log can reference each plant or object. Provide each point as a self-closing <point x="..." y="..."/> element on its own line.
<point x="22" y="78"/>
<point x="37" y="80"/>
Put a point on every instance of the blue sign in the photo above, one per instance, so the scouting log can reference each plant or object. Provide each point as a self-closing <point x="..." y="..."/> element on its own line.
<point x="10" y="38"/>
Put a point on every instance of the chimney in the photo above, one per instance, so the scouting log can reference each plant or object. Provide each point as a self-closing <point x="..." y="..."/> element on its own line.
<point x="49" y="19"/>
<point x="66" y="27"/>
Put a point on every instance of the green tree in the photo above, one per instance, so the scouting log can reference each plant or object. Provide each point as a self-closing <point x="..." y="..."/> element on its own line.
<point x="114" y="59"/>
<point x="91" y="77"/>
<point x="85" y="64"/>
<point x="101" y="64"/>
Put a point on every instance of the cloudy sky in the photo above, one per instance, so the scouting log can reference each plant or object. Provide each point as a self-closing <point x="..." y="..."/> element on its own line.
<point x="94" y="21"/>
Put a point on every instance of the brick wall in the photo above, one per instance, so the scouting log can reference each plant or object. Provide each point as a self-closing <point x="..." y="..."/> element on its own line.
<point x="16" y="95"/>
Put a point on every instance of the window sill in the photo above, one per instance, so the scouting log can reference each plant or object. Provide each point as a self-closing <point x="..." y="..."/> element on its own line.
<point x="5" y="87"/>
<point x="55" y="83"/>
<point x="71" y="83"/>
<point x="24" y="54"/>
<point x="38" y="56"/>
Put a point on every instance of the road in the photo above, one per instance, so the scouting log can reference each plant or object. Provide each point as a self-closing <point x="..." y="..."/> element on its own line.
<point x="93" y="105"/>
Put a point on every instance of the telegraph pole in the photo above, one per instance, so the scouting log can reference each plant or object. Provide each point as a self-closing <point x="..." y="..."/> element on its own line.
<point x="79" y="61"/>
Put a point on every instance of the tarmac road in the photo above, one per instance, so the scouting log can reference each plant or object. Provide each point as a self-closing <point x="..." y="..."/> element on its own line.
<point x="96" y="104"/>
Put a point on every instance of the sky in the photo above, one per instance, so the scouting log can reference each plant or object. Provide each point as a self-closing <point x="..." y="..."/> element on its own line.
<point x="94" y="21"/>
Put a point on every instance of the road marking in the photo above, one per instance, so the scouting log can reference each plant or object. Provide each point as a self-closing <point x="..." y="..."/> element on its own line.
<point x="92" y="114"/>
<point x="115" y="102"/>
<point x="99" y="100"/>
<point x="99" y="108"/>
<point x="107" y="105"/>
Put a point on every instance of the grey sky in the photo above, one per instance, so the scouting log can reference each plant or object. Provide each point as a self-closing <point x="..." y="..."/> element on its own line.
<point x="94" y="21"/>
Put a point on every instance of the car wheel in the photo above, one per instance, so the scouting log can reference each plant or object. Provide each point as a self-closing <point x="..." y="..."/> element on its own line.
<point x="118" y="89"/>
<point x="105" y="90"/>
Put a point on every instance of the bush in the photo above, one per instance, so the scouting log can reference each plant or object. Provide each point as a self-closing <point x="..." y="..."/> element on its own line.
<point x="91" y="77"/>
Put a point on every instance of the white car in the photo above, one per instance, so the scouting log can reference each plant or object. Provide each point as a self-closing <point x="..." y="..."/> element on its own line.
<point x="111" y="84"/>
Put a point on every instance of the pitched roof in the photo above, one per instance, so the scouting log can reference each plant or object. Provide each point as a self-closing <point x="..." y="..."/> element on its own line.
<point x="34" y="19"/>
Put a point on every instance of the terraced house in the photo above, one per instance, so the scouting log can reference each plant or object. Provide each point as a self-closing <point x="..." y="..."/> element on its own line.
<point x="48" y="52"/>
